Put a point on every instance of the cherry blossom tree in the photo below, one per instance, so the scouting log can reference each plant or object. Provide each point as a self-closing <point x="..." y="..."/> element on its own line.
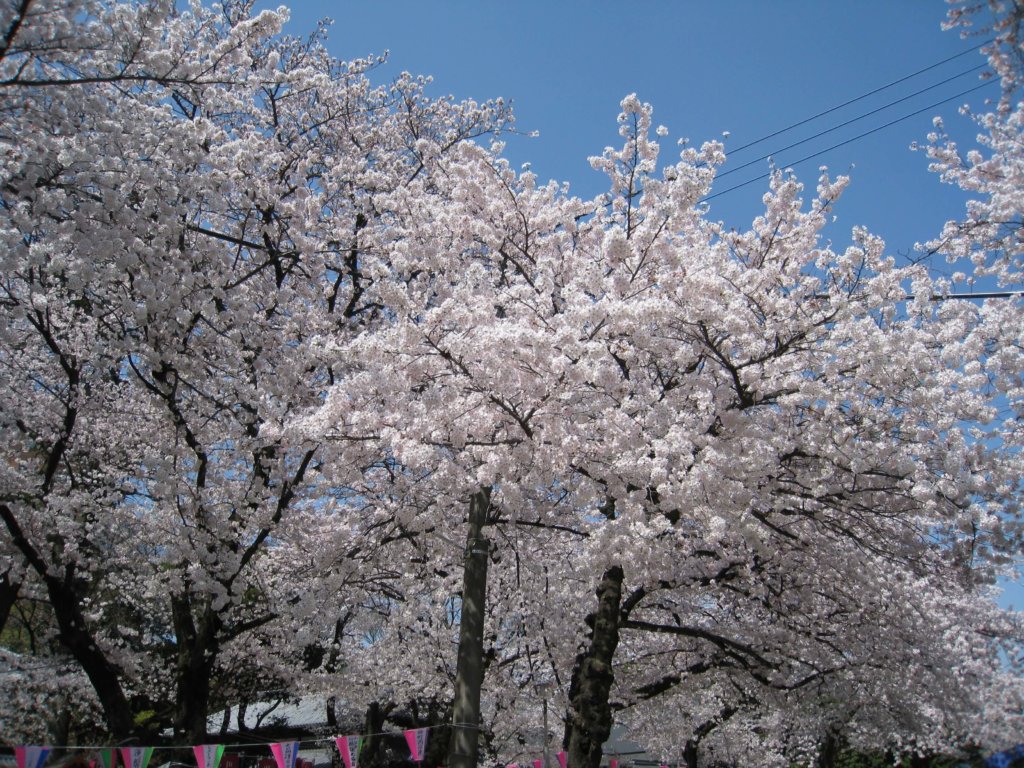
<point x="297" y="378"/>
<point x="730" y="418"/>
<point x="862" y="505"/>
<point x="188" y="199"/>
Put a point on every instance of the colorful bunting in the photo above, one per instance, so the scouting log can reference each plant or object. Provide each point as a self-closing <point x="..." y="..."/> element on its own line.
<point x="416" y="738"/>
<point x="31" y="757"/>
<point x="348" y="754"/>
<point x="208" y="755"/>
<point x="285" y="753"/>
<point x="136" y="757"/>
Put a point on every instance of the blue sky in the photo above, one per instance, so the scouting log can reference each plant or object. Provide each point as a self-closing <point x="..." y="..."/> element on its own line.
<point x="749" y="68"/>
<point x="707" y="66"/>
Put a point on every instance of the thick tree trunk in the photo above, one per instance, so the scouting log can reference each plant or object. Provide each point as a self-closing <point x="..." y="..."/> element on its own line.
<point x="588" y="722"/>
<point x="331" y="666"/>
<point x="193" y="700"/>
<point x="828" y="752"/>
<point x="372" y="754"/>
<point x="197" y="649"/>
<point x="690" y="753"/>
<point x="469" y="674"/>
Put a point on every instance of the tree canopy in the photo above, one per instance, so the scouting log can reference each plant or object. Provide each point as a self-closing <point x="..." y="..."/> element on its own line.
<point x="268" y="328"/>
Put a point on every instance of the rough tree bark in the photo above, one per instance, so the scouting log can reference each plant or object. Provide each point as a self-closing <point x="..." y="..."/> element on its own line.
<point x="829" y="750"/>
<point x="470" y="670"/>
<point x="197" y="649"/>
<point x="373" y="755"/>
<point x="588" y="722"/>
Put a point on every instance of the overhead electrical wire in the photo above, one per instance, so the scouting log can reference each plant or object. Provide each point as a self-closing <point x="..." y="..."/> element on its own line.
<point x="969" y="296"/>
<point x="909" y="297"/>
<point x="863" y="96"/>
<point x="849" y="122"/>
<point x="804" y="121"/>
<point x="848" y="141"/>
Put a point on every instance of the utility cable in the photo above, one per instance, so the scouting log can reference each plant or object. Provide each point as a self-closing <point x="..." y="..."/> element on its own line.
<point x="852" y="120"/>
<point x="854" y="100"/>
<point x="850" y="141"/>
<point x="969" y="296"/>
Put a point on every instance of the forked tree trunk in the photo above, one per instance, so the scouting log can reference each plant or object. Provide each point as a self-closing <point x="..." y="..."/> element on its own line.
<point x="588" y="722"/>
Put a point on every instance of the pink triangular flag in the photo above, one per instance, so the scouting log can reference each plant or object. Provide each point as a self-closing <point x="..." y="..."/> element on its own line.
<point x="538" y="764"/>
<point x="285" y="753"/>
<point x="562" y="758"/>
<point x="350" y="747"/>
<point x="416" y="738"/>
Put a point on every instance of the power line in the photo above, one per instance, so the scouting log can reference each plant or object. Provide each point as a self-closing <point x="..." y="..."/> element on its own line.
<point x="854" y="100"/>
<point x="850" y="141"/>
<point x="969" y="296"/>
<point x="852" y="120"/>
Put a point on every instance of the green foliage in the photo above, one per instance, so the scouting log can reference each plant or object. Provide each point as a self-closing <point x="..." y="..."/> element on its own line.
<point x="144" y="717"/>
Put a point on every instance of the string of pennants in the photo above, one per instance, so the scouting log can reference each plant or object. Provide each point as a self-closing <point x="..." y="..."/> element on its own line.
<point x="209" y="755"/>
<point x="285" y="753"/>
